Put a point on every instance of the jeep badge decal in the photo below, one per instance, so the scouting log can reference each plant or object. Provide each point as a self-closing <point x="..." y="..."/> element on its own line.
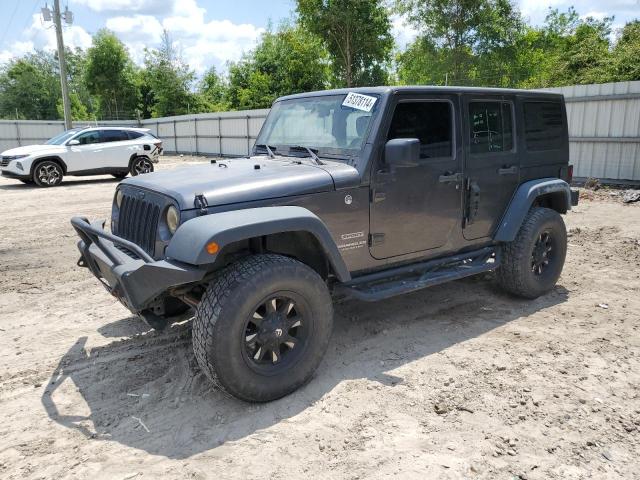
<point x="348" y="199"/>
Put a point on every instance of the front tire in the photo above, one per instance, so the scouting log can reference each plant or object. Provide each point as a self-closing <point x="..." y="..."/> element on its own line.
<point x="532" y="263"/>
<point x="262" y="327"/>
<point x="141" y="165"/>
<point x="47" y="174"/>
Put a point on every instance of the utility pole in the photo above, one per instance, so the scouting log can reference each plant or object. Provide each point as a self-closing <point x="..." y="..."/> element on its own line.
<point x="57" y="20"/>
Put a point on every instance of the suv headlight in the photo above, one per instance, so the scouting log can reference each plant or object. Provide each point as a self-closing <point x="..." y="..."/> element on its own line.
<point x="173" y="219"/>
<point x="119" y="198"/>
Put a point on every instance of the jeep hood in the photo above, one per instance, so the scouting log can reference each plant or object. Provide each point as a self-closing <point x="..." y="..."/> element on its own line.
<point x="32" y="149"/>
<point x="239" y="180"/>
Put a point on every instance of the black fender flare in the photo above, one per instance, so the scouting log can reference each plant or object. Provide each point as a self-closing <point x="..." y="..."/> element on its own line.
<point x="188" y="244"/>
<point x="523" y="199"/>
<point x="53" y="158"/>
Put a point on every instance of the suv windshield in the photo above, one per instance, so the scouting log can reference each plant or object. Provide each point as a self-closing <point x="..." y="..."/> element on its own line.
<point x="63" y="137"/>
<point x="332" y="124"/>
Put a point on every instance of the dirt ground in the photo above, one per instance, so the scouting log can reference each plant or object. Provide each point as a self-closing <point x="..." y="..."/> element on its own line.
<point x="457" y="381"/>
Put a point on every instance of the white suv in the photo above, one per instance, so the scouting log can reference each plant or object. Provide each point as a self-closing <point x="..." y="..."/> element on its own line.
<point x="117" y="151"/>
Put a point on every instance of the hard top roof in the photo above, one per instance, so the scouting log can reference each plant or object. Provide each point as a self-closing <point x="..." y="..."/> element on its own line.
<point x="388" y="90"/>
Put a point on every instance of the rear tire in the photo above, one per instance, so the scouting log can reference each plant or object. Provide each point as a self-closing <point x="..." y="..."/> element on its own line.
<point x="141" y="165"/>
<point x="120" y="176"/>
<point x="262" y="327"/>
<point x="47" y="174"/>
<point x="532" y="263"/>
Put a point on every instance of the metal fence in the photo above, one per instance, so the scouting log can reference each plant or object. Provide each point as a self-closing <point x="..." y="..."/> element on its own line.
<point x="16" y="133"/>
<point x="223" y="133"/>
<point x="604" y="131"/>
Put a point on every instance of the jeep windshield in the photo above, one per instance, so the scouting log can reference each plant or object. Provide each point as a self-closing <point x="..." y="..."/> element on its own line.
<point x="63" y="137"/>
<point x="334" y="125"/>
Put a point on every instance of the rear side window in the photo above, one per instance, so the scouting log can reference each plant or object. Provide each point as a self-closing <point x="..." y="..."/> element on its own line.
<point x="133" y="135"/>
<point x="114" y="135"/>
<point x="543" y="126"/>
<point x="491" y="127"/>
<point x="429" y="122"/>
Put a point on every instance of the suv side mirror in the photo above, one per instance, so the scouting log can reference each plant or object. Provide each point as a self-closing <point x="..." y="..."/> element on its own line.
<point x="73" y="142"/>
<point x="402" y="152"/>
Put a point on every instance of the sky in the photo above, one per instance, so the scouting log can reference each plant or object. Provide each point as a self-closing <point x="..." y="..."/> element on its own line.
<point x="209" y="32"/>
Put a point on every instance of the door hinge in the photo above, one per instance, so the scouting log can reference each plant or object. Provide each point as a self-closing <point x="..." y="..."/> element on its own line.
<point x="376" y="239"/>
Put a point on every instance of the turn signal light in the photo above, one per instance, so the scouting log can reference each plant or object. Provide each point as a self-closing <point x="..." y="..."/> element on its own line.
<point x="212" y="248"/>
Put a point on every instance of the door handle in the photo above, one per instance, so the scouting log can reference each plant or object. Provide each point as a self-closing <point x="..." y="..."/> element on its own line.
<point x="450" y="177"/>
<point x="508" y="170"/>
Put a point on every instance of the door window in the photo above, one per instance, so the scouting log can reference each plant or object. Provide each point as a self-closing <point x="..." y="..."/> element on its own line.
<point x="491" y="127"/>
<point x="88" y="137"/>
<point x="114" y="136"/>
<point x="429" y="122"/>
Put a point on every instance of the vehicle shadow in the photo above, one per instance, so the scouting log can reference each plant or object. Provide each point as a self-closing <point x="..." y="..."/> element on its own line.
<point x="147" y="392"/>
<point x="65" y="183"/>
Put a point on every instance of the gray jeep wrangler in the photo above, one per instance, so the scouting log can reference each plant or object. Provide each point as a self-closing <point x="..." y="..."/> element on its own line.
<point x="364" y="193"/>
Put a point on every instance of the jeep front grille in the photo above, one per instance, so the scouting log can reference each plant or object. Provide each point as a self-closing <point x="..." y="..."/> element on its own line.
<point x="138" y="222"/>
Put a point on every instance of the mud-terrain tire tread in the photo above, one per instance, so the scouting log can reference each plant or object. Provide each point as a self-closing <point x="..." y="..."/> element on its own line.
<point x="514" y="273"/>
<point x="222" y="290"/>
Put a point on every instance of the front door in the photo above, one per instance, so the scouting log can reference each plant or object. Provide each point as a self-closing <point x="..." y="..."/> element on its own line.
<point x="492" y="165"/>
<point x="87" y="155"/>
<point x="417" y="208"/>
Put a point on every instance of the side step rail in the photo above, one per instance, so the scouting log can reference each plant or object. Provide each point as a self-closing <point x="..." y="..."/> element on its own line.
<point x="409" y="278"/>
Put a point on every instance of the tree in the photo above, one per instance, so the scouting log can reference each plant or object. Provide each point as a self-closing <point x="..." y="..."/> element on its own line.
<point x="110" y="75"/>
<point x="30" y="87"/>
<point x="213" y="91"/>
<point x="169" y="80"/>
<point x="473" y="38"/>
<point x="357" y="35"/>
<point x="626" y="54"/>
<point x="284" y="62"/>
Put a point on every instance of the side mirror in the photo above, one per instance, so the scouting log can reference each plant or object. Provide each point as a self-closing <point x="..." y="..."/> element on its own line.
<point x="402" y="152"/>
<point x="73" y="142"/>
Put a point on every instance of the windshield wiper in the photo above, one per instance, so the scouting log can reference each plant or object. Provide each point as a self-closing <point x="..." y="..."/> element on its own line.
<point x="268" y="148"/>
<point x="311" y="153"/>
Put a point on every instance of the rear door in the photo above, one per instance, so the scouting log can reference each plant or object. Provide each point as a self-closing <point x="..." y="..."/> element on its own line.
<point x="417" y="208"/>
<point x="492" y="168"/>
<point x="117" y="148"/>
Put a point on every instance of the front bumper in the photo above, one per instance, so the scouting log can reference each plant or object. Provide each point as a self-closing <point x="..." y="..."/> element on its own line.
<point x="17" y="176"/>
<point x="126" y="270"/>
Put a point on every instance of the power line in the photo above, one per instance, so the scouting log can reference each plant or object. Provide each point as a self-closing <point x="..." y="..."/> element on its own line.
<point x="10" y="20"/>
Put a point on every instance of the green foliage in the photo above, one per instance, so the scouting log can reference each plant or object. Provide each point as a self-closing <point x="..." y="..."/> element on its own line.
<point x="78" y="109"/>
<point x="110" y="75"/>
<point x="625" y="61"/>
<point x="168" y="79"/>
<point x="357" y="35"/>
<point x="213" y="92"/>
<point x="331" y="43"/>
<point x="287" y="61"/>
<point x="469" y="42"/>
<point x="30" y="87"/>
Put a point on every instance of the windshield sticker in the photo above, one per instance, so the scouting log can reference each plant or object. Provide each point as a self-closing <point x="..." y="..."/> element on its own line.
<point x="359" y="101"/>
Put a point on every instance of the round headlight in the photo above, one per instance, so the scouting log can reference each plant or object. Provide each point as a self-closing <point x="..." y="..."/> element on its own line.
<point x="173" y="218"/>
<point x="119" y="198"/>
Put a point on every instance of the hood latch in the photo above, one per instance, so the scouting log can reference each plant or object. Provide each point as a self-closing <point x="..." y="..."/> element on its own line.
<point x="200" y="202"/>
